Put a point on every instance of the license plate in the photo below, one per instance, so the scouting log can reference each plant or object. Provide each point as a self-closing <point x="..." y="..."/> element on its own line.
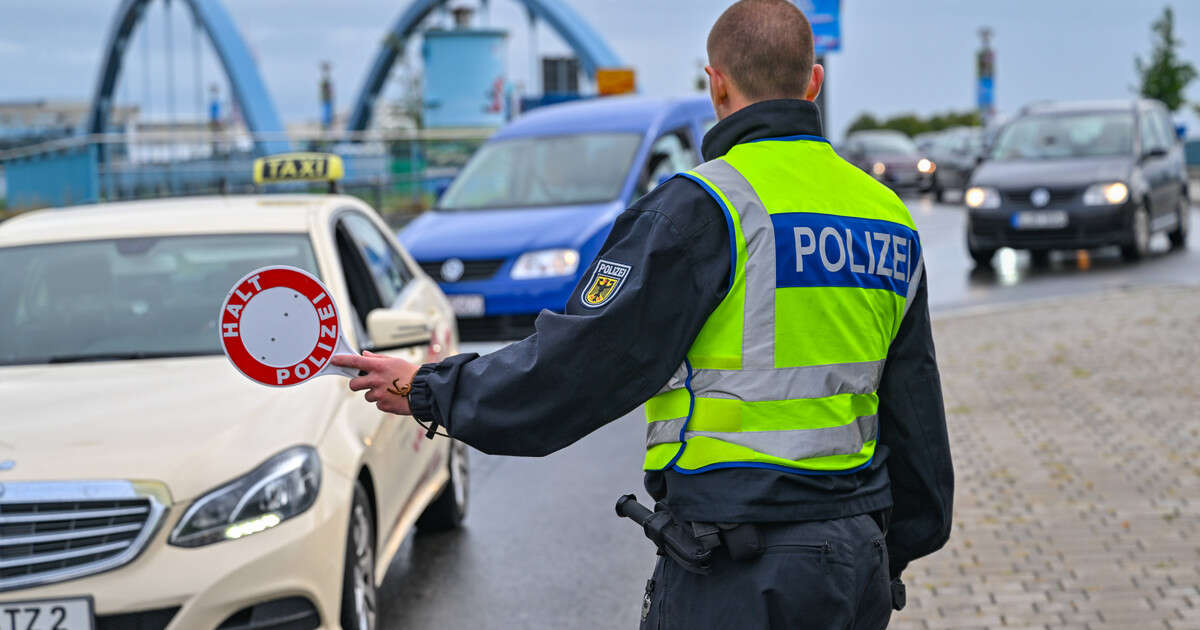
<point x="47" y="614"/>
<point x="466" y="305"/>
<point x="1045" y="220"/>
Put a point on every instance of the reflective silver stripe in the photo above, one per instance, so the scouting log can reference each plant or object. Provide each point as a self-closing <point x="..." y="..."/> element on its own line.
<point x="677" y="380"/>
<point x="664" y="431"/>
<point x="914" y="281"/>
<point x="758" y="322"/>
<point x="802" y="444"/>
<point x="792" y="383"/>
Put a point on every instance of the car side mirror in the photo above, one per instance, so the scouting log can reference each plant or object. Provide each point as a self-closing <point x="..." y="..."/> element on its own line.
<point x="1156" y="152"/>
<point x="391" y="329"/>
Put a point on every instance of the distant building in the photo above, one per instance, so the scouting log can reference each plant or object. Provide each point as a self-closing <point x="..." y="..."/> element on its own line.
<point x="23" y="123"/>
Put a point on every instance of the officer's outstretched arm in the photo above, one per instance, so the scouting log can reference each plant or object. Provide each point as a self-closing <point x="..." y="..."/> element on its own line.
<point x="626" y="328"/>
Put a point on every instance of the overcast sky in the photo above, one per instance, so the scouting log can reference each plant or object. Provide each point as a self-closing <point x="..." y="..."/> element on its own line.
<point x="898" y="55"/>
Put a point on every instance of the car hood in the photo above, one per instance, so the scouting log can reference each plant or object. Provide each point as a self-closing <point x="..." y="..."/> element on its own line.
<point x="191" y="423"/>
<point x="1051" y="173"/>
<point x="504" y="233"/>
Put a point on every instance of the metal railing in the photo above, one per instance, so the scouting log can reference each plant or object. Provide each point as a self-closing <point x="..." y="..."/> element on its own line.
<point x="397" y="171"/>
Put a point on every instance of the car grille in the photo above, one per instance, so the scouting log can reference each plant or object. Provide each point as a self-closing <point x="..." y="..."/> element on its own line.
<point x="1019" y="197"/>
<point x="472" y="269"/>
<point x="495" y="328"/>
<point x="53" y="531"/>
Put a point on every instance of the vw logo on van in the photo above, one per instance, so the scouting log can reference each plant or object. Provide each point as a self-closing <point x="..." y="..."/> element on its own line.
<point x="452" y="270"/>
<point x="1039" y="197"/>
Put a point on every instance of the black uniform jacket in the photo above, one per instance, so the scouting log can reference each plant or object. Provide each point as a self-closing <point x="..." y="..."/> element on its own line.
<point x="590" y="365"/>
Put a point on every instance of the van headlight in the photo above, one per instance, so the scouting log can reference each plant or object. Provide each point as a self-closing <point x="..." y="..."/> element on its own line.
<point x="1111" y="194"/>
<point x="280" y="488"/>
<point x="546" y="263"/>
<point x="982" y="197"/>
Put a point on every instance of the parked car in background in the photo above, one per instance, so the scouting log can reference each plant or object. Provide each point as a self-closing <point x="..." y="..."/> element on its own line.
<point x="145" y="482"/>
<point x="955" y="153"/>
<point x="891" y="157"/>
<point x="1077" y="175"/>
<point x="529" y="211"/>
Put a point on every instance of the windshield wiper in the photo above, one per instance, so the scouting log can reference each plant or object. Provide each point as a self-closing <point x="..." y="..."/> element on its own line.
<point x="124" y="356"/>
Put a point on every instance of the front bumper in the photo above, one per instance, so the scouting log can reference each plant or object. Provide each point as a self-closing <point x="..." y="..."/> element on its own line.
<point x="300" y="558"/>
<point x="1087" y="227"/>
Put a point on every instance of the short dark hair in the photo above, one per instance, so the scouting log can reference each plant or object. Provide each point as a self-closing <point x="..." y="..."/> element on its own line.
<point x="766" y="48"/>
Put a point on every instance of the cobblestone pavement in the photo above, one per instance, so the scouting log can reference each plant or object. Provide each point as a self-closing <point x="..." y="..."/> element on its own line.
<point x="1076" y="434"/>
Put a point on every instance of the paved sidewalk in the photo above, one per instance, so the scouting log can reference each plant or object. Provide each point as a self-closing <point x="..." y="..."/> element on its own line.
<point x="1076" y="434"/>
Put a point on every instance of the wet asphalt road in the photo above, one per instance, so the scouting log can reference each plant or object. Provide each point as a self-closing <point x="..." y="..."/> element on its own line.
<point x="542" y="547"/>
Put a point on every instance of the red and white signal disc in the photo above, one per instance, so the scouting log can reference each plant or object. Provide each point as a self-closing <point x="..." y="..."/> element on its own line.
<point x="279" y="326"/>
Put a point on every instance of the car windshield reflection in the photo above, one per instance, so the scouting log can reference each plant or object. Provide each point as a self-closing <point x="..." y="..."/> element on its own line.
<point x="129" y="298"/>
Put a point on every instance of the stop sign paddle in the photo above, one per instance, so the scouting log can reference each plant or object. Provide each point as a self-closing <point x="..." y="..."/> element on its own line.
<point x="279" y="327"/>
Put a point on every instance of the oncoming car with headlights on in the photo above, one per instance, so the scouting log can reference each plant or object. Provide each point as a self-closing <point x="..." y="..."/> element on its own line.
<point x="1080" y="175"/>
<point x="147" y="483"/>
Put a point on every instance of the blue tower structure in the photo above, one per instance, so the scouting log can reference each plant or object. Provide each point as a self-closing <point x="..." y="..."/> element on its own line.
<point x="593" y="52"/>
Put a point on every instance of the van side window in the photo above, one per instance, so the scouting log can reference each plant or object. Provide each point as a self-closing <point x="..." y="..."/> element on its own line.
<point x="670" y="154"/>
<point x="1152" y="132"/>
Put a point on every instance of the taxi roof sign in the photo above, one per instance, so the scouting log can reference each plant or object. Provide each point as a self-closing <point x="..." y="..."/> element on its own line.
<point x="298" y="167"/>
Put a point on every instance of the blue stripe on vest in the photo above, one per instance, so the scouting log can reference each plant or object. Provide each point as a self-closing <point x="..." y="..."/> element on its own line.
<point x="826" y="250"/>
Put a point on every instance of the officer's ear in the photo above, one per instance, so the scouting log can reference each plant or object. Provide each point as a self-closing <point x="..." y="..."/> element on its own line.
<point x="814" y="82"/>
<point x="718" y="91"/>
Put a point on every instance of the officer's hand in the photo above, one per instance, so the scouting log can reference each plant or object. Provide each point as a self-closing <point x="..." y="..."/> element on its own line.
<point x="382" y="373"/>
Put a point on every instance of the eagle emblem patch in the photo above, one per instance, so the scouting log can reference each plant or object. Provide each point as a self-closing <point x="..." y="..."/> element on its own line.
<point x="606" y="280"/>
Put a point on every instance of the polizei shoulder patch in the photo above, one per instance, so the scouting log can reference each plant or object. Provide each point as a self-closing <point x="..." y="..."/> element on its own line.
<point x="606" y="280"/>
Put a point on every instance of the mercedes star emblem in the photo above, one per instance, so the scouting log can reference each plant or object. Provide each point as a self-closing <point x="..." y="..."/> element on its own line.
<point x="1039" y="197"/>
<point x="452" y="270"/>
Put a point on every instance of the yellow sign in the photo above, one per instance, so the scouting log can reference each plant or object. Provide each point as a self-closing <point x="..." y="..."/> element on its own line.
<point x="611" y="81"/>
<point x="298" y="167"/>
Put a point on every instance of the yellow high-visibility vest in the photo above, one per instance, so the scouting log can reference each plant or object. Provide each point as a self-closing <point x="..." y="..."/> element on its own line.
<point x="824" y="262"/>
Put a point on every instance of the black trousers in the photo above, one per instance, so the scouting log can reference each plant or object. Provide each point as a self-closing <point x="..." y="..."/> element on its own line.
<point x="820" y="574"/>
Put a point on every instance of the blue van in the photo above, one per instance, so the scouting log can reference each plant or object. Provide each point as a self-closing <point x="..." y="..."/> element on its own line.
<point x="523" y="220"/>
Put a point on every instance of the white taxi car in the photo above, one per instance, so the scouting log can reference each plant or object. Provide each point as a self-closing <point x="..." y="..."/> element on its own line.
<point x="144" y="482"/>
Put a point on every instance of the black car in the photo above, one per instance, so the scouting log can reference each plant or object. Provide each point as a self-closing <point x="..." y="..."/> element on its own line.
<point x="891" y="157"/>
<point x="1079" y="175"/>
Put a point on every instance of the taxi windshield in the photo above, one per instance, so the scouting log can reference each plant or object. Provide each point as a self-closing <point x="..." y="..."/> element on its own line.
<point x="544" y="171"/>
<point x="1059" y="136"/>
<point x="129" y="298"/>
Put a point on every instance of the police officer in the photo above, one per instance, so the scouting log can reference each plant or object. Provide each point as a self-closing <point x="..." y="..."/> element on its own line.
<point x="769" y="308"/>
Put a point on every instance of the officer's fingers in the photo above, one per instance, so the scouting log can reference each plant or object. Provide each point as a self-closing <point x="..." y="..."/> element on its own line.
<point x="360" y="383"/>
<point x="373" y="395"/>
<point x="354" y="361"/>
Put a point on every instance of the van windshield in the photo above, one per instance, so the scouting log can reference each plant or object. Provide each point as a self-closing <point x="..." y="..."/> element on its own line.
<point x="1060" y="136"/>
<point x="544" y="171"/>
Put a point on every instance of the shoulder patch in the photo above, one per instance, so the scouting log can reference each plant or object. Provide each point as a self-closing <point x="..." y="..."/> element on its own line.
<point x="606" y="280"/>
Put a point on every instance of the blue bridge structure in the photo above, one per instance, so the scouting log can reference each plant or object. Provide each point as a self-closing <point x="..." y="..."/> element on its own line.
<point x="98" y="165"/>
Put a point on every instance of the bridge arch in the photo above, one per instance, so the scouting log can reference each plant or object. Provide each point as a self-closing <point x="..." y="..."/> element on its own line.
<point x="256" y="105"/>
<point x="591" y="48"/>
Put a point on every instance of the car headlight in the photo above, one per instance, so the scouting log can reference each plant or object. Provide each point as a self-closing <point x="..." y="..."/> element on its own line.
<point x="1110" y="194"/>
<point x="878" y="168"/>
<point x="546" y="263"/>
<point x="982" y="197"/>
<point x="280" y="488"/>
<point x="926" y="166"/>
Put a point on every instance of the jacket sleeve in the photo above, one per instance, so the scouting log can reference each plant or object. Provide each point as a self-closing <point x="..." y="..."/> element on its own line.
<point x="592" y="364"/>
<point x="913" y="427"/>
